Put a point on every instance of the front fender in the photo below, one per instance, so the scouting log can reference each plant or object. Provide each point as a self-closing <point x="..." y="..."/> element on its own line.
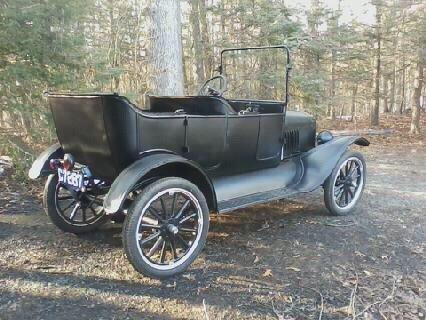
<point x="319" y="162"/>
<point x="40" y="166"/>
<point x="135" y="173"/>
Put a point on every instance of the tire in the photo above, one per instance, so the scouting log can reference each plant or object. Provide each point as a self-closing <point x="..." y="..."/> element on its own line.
<point x="170" y="228"/>
<point x="51" y="207"/>
<point x="335" y="190"/>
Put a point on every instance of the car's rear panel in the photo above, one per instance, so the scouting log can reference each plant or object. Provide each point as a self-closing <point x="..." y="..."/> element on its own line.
<point x="97" y="130"/>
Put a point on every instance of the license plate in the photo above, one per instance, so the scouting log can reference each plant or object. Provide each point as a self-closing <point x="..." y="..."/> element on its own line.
<point x="73" y="179"/>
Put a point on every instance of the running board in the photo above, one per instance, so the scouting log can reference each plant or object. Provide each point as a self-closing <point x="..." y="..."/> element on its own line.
<point x="238" y="191"/>
<point x="242" y="202"/>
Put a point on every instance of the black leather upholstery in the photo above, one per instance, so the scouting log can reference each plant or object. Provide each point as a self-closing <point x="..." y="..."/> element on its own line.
<point x="197" y="105"/>
<point x="258" y="106"/>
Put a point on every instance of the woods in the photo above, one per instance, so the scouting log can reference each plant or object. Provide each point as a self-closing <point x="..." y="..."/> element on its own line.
<point x="168" y="197"/>
<point x="344" y="66"/>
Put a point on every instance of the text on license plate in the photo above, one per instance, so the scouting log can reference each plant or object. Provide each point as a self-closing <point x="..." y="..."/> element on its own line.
<point x="71" y="178"/>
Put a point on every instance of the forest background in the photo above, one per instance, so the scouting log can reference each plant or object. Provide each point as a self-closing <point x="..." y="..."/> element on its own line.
<point x="351" y="60"/>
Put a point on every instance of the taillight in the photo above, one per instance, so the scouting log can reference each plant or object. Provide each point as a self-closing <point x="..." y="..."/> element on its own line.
<point x="68" y="162"/>
<point x="54" y="164"/>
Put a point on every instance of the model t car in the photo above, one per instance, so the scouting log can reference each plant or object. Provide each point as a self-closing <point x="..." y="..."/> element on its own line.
<point x="166" y="168"/>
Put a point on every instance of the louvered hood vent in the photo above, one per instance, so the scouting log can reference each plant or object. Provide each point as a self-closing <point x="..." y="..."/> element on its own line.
<point x="291" y="142"/>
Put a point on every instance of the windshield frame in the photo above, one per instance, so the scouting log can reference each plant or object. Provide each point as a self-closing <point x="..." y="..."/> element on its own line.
<point x="286" y="51"/>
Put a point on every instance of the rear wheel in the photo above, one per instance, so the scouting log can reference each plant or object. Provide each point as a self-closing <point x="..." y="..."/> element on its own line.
<point x="166" y="227"/>
<point x="343" y="188"/>
<point x="69" y="214"/>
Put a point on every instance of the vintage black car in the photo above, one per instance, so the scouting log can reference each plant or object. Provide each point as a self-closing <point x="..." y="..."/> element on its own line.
<point x="163" y="170"/>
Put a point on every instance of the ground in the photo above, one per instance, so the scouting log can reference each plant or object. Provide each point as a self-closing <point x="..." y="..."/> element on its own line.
<point x="285" y="260"/>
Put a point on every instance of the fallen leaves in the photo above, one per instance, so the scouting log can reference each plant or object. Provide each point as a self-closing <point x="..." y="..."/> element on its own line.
<point x="45" y="267"/>
<point x="293" y="269"/>
<point x="189" y="276"/>
<point x="417" y="250"/>
<point x="265" y="225"/>
<point x="267" y="273"/>
<point x="359" y="254"/>
<point x="367" y="273"/>
<point x="346" y="310"/>
<point x="256" y="260"/>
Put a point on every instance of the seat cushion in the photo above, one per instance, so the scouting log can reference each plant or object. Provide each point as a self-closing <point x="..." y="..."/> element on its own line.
<point x="197" y="105"/>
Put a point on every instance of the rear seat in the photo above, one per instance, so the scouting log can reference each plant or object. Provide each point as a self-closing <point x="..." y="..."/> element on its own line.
<point x="197" y="105"/>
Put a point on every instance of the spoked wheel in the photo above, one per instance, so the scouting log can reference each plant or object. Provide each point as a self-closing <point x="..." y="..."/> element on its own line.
<point x="344" y="187"/>
<point x="166" y="227"/>
<point x="80" y="215"/>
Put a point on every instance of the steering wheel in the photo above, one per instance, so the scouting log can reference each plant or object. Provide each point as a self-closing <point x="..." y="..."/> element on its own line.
<point x="205" y="90"/>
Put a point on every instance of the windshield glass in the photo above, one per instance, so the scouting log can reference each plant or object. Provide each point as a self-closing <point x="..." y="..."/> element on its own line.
<point x="255" y="74"/>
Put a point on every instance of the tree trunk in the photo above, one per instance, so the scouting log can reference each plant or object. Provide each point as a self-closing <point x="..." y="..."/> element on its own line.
<point x="333" y="84"/>
<point x="334" y="29"/>
<point x="418" y="85"/>
<point x="165" y="50"/>
<point x="353" y="106"/>
<point x="385" y="94"/>
<point x="198" y="46"/>
<point x="401" y="106"/>
<point x="207" y="50"/>
<point x="136" y="46"/>
<point x="392" y="88"/>
<point x="392" y="107"/>
<point x="2" y="119"/>
<point x="113" y="47"/>
<point x="375" y="111"/>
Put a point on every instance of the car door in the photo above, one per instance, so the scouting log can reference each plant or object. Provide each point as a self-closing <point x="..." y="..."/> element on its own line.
<point x="205" y="140"/>
<point x="241" y="142"/>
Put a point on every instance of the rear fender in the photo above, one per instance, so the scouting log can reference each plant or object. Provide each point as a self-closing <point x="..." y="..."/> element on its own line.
<point x="157" y="165"/>
<point x="40" y="166"/>
<point x="320" y="161"/>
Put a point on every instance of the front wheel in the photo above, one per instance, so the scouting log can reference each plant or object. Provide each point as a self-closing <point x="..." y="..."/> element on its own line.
<point x="166" y="227"/>
<point x="343" y="188"/>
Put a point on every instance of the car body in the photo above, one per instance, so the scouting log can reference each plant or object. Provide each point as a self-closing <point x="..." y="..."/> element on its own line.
<point x="229" y="154"/>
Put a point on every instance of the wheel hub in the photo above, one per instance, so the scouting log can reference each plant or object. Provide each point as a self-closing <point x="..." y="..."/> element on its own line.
<point x="169" y="229"/>
<point x="172" y="228"/>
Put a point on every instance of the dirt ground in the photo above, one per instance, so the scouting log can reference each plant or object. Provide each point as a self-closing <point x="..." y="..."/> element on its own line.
<point x="285" y="260"/>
